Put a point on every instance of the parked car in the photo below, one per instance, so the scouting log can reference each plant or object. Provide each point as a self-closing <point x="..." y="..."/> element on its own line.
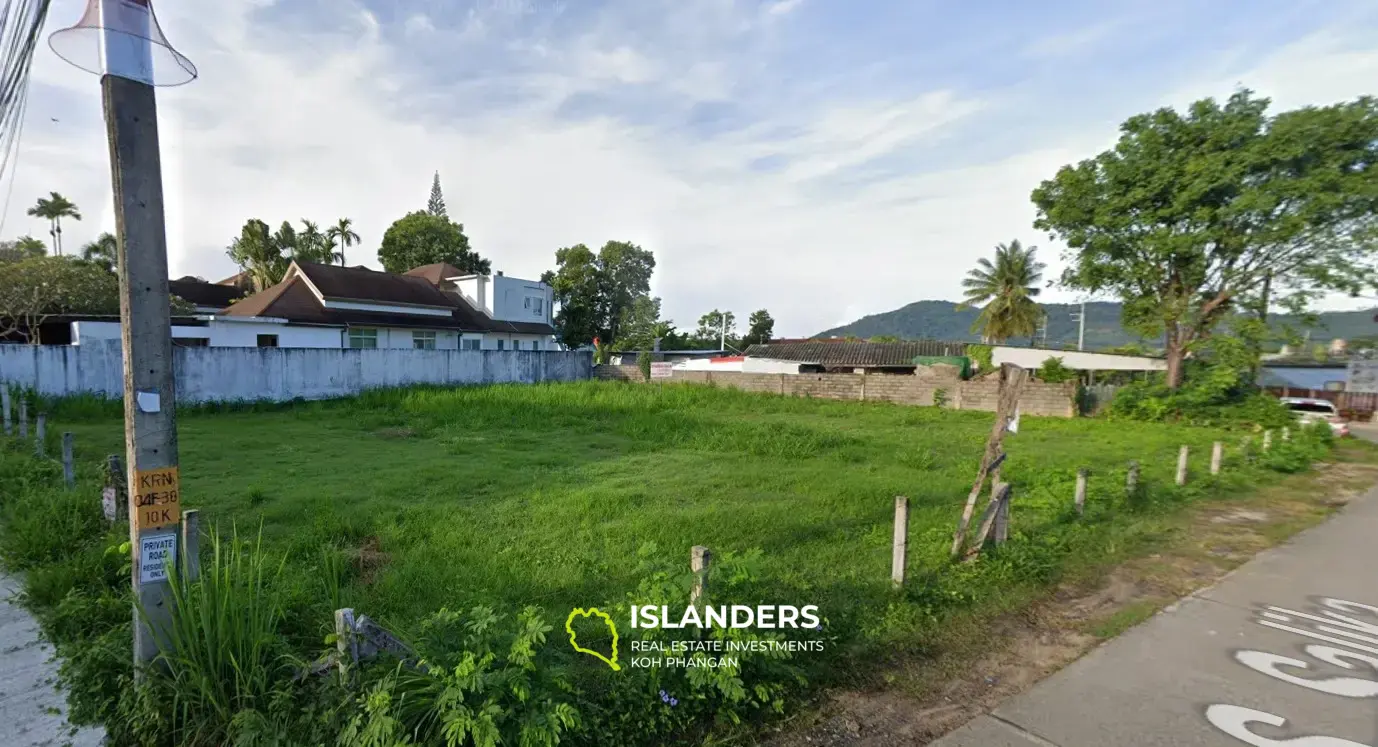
<point x="1317" y="411"/>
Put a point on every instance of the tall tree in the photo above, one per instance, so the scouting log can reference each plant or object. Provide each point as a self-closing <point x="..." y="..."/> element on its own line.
<point x="1190" y="214"/>
<point x="54" y="208"/>
<point x="711" y="326"/>
<point x="436" y="205"/>
<point x="593" y="292"/>
<point x="342" y="235"/>
<point x="312" y="245"/>
<point x="103" y="252"/>
<point x="640" y="324"/>
<point x="259" y="255"/>
<point x="760" y="328"/>
<point x="24" y="247"/>
<point x="1005" y="289"/>
<point x="422" y="238"/>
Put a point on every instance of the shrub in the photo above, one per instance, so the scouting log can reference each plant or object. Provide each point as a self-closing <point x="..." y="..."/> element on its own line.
<point x="643" y="362"/>
<point x="981" y="354"/>
<point x="1053" y="372"/>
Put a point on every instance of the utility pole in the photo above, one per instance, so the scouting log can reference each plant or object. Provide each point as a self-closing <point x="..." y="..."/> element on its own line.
<point x="1081" y="327"/>
<point x="722" y="344"/>
<point x="128" y="35"/>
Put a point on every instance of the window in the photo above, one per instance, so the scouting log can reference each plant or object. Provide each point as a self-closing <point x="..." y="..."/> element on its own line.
<point x="499" y="344"/>
<point x="473" y="344"/>
<point x="363" y="339"/>
<point x="267" y="341"/>
<point x="535" y="344"/>
<point x="423" y="340"/>
<point x="516" y="344"/>
<point x="1334" y="386"/>
<point x="190" y="342"/>
<point x="535" y="305"/>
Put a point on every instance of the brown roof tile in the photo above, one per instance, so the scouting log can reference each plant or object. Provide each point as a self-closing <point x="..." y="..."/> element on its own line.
<point x="371" y="285"/>
<point x="435" y="273"/>
<point x="202" y="293"/>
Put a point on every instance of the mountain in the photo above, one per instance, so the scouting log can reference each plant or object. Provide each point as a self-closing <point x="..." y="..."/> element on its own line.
<point x="940" y="320"/>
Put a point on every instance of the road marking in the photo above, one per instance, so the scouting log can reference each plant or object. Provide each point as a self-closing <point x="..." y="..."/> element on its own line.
<point x="1235" y="720"/>
<point x="1349" y="687"/>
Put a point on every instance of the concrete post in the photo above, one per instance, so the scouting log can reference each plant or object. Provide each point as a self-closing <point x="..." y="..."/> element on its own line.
<point x="1080" y="499"/>
<point x="40" y="441"/>
<point x="699" y="559"/>
<point x="1131" y="480"/>
<point x="1217" y="453"/>
<point x="900" y="545"/>
<point x="131" y="120"/>
<point x="1182" y="465"/>
<point x="69" y="475"/>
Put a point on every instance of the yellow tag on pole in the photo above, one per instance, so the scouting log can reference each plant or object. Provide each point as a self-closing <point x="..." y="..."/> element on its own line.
<point x="156" y="499"/>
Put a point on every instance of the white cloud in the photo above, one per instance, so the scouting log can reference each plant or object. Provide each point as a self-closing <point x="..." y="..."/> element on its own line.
<point x="783" y="7"/>
<point x="334" y="121"/>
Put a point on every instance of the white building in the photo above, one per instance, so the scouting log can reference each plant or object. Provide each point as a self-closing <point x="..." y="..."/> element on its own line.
<point x="435" y="307"/>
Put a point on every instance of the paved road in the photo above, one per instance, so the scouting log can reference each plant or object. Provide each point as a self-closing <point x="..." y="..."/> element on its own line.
<point x="30" y="709"/>
<point x="1281" y="653"/>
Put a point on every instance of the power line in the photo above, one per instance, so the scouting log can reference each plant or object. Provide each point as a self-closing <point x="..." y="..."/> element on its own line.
<point x="21" y="24"/>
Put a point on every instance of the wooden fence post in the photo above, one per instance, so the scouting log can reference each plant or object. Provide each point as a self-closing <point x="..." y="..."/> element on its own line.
<point x="1131" y="480"/>
<point x="1217" y="452"/>
<point x="5" y="404"/>
<point x="1267" y="440"/>
<point x="191" y="545"/>
<point x="41" y="434"/>
<point x="1080" y="499"/>
<point x="114" y="503"/>
<point x="1182" y="457"/>
<point x="899" y="551"/>
<point x="69" y="475"/>
<point x="1002" y="515"/>
<point x="699" y="559"/>
<point x="23" y="420"/>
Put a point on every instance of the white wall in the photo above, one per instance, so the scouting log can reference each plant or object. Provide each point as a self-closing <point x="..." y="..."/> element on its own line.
<point x="490" y="341"/>
<point x="475" y="288"/>
<point x="509" y="299"/>
<point x="708" y="364"/>
<point x="88" y="332"/>
<point x="1034" y="357"/>
<point x="280" y="374"/>
<point x="245" y="335"/>
<point x="770" y="365"/>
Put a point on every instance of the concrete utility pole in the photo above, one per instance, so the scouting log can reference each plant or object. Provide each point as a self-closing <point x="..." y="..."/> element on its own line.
<point x="1081" y="327"/>
<point x="128" y="36"/>
<point x="722" y="344"/>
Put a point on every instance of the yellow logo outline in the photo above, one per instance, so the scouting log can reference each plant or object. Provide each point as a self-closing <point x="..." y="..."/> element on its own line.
<point x="591" y="611"/>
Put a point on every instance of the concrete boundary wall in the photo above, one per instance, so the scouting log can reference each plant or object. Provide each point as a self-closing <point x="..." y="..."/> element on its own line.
<point x="1039" y="398"/>
<point x="280" y="374"/>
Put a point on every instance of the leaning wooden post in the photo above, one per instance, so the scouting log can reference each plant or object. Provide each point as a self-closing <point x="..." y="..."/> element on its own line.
<point x="1267" y="440"/>
<point x="1217" y="452"/>
<point x="5" y="404"/>
<point x="900" y="549"/>
<point x="1131" y="480"/>
<point x="1182" y="457"/>
<point x="191" y="545"/>
<point x="699" y="559"/>
<point x="23" y="420"/>
<point x="1012" y="379"/>
<point x="1080" y="499"/>
<point x="68" y="472"/>
<point x="41" y="434"/>
<point x="1002" y="515"/>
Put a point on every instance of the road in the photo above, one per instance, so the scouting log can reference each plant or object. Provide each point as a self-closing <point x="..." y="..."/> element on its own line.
<point x="1283" y="652"/>
<point x="30" y="708"/>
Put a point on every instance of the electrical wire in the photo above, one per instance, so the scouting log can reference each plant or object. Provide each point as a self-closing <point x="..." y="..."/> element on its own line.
<point x="21" y="25"/>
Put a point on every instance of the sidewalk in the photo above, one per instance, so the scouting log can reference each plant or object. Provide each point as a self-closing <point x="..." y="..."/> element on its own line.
<point x="30" y="708"/>
<point x="1284" y="651"/>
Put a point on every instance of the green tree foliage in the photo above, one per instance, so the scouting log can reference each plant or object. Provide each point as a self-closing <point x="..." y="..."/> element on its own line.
<point x="1188" y="214"/>
<point x="884" y="338"/>
<point x="596" y="291"/>
<point x="342" y="236"/>
<point x="313" y="245"/>
<point x="1005" y="289"/>
<point x="421" y="238"/>
<point x="436" y="205"/>
<point x="760" y="328"/>
<point x="710" y="332"/>
<point x="640" y="322"/>
<point x="54" y="208"/>
<point x="31" y="290"/>
<point x="104" y="252"/>
<point x="1054" y="372"/>
<point x="24" y="247"/>
<point x="258" y="253"/>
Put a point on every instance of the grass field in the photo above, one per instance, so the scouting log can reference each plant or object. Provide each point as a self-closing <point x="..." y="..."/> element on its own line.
<point x="543" y="495"/>
<point x="402" y="503"/>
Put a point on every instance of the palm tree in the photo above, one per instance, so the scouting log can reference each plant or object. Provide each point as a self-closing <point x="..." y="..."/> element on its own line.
<point x="55" y="207"/>
<point x="259" y="254"/>
<point x="1006" y="290"/>
<point x="104" y="251"/>
<point x="342" y="234"/>
<point x="312" y="245"/>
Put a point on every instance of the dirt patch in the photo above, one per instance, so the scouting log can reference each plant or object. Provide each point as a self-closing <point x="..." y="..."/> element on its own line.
<point x="1010" y="655"/>
<point x="368" y="559"/>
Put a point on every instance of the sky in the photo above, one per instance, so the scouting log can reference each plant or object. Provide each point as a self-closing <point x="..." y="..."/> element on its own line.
<point x="822" y="159"/>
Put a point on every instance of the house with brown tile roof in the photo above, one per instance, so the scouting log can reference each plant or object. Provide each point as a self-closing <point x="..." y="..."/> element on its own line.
<point x="330" y="306"/>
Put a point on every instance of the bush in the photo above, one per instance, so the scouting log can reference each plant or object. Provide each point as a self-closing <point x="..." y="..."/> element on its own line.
<point x="981" y="355"/>
<point x="643" y="362"/>
<point x="1053" y="372"/>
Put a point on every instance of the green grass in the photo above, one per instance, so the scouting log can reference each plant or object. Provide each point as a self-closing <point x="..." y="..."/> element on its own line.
<point x="402" y="503"/>
<point x="542" y="495"/>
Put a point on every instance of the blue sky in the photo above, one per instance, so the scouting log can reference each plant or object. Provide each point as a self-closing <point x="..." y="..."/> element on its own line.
<point x="819" y="158"/>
